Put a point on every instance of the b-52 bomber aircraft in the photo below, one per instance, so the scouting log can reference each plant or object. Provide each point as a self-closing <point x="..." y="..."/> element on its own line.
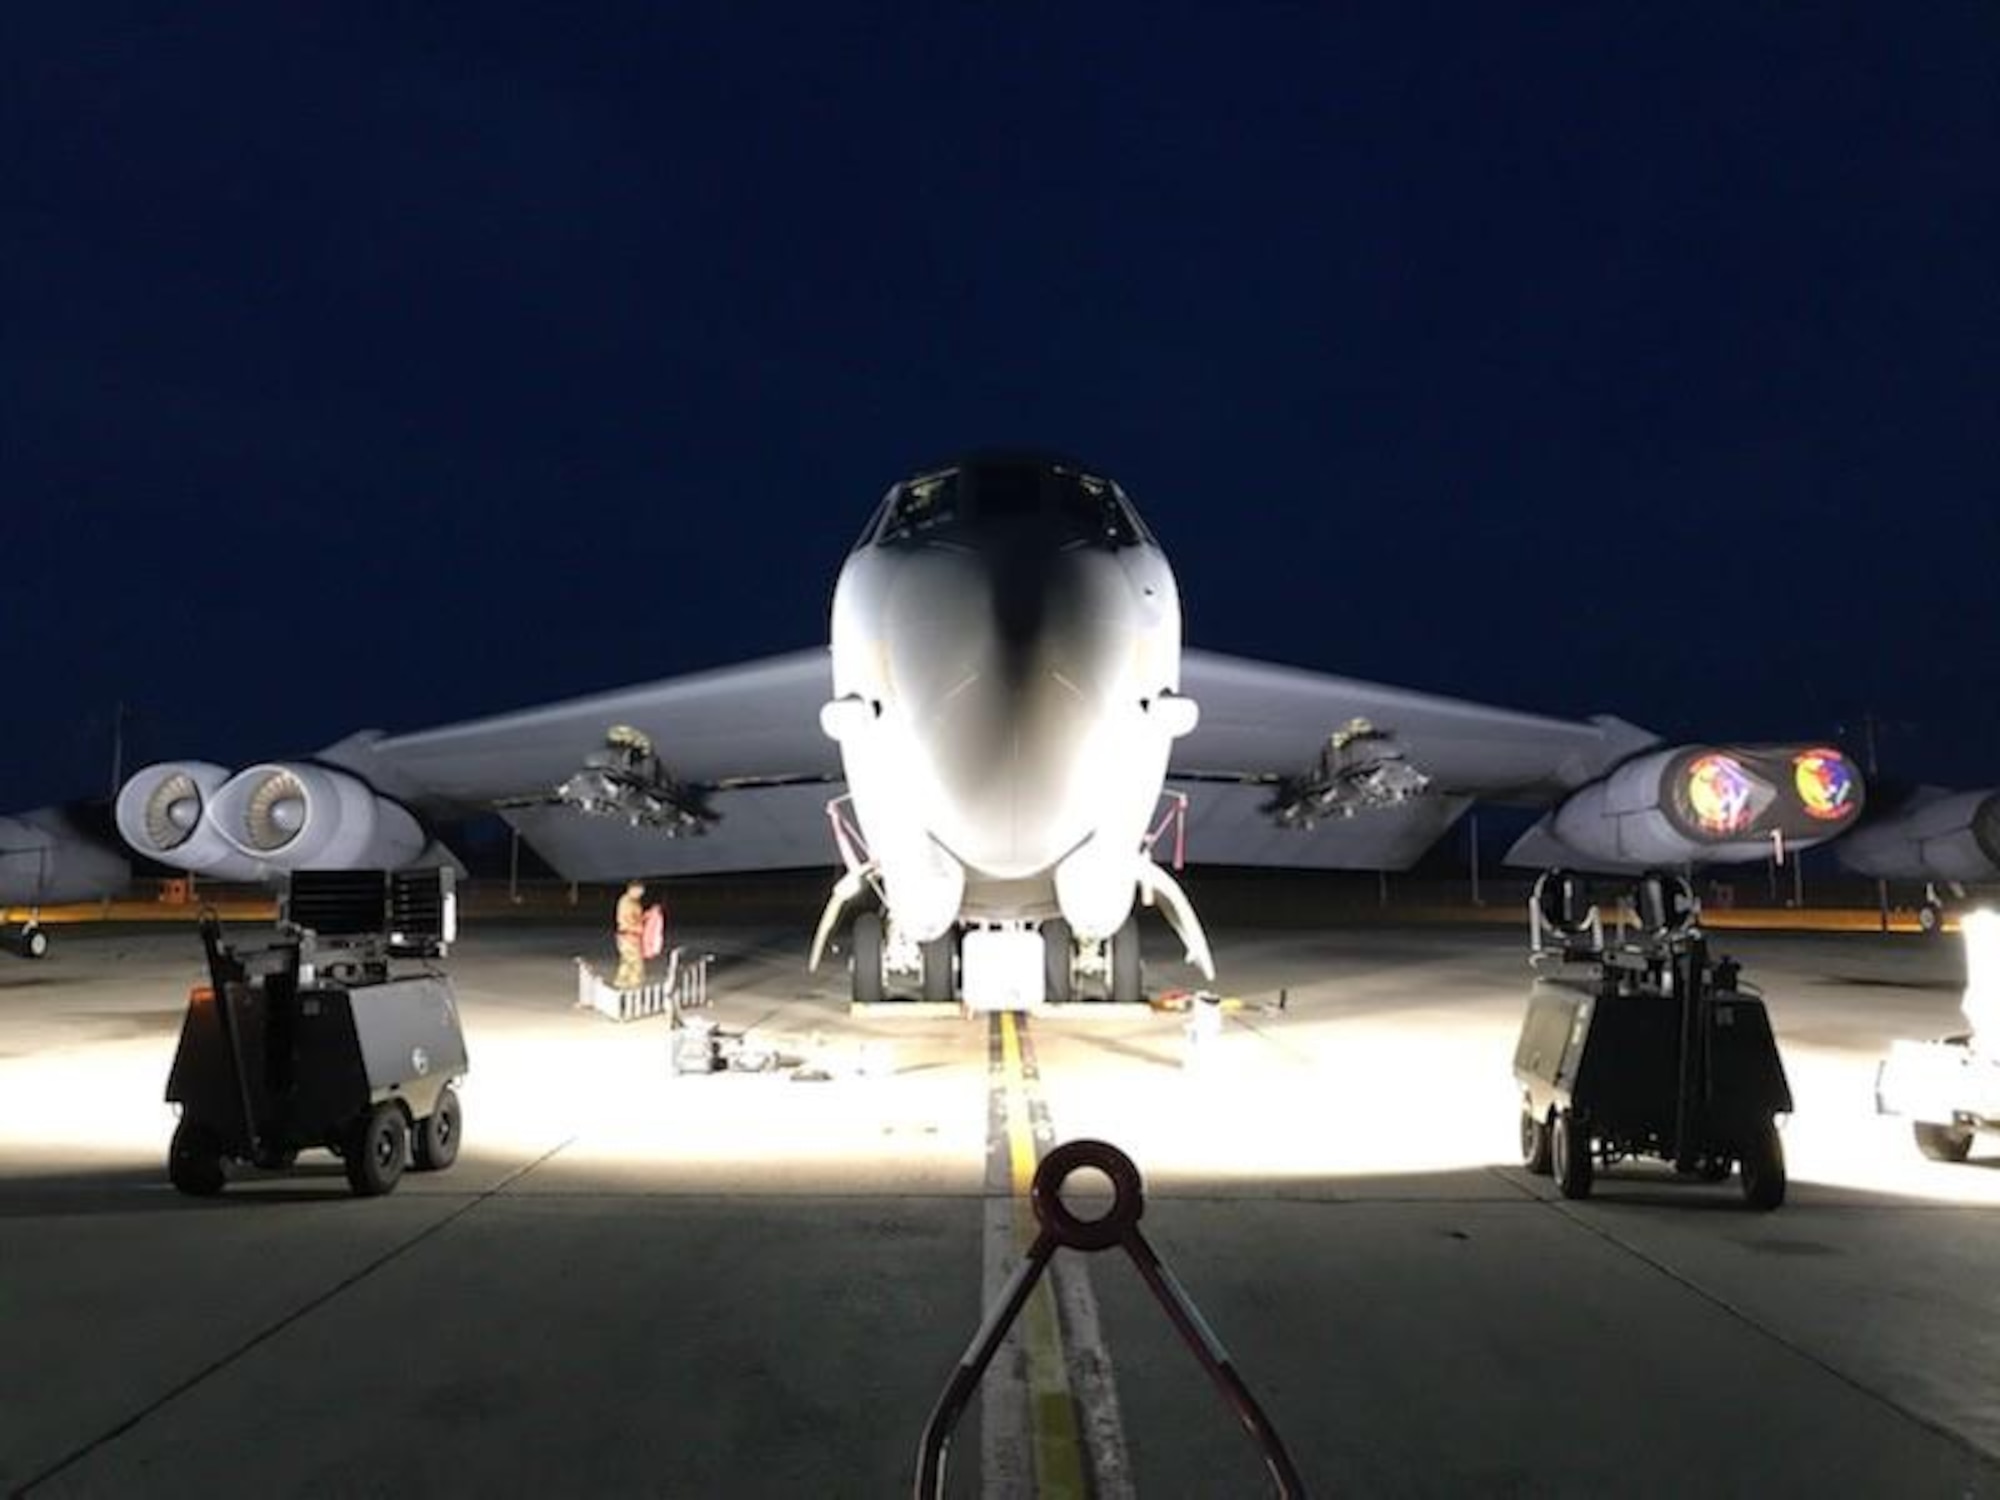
<point x="49" y="856"/>
<point x="1005" y="712"/>
<point x="1940" y="837"/>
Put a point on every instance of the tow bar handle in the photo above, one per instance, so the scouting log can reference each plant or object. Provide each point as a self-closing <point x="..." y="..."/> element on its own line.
<point x="1062" y="1228"/>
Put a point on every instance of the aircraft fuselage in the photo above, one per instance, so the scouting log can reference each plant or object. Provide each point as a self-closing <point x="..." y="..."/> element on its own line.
<point x="1006" y="663"/>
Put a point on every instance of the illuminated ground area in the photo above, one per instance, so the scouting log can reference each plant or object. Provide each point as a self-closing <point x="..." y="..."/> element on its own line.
<point x="745" y="1284"/>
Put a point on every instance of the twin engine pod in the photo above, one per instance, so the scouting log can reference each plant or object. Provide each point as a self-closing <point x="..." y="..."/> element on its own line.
<point x="1700" y="804"/>
<point x="1933" y="834"/>
<point x="270" y="818"/>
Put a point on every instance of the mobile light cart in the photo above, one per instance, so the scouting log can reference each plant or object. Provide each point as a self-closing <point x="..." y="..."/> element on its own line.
<point x="310" y="1042"/>
<point x="1645" y="1047"/>
<point x="1949" y="1089"/>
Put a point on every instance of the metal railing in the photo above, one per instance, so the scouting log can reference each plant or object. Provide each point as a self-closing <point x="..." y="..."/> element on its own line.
<point x="683" y="987"/>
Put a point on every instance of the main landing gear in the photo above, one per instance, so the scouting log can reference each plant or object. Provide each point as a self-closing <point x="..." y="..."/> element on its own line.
<point x="1002" y="966"/>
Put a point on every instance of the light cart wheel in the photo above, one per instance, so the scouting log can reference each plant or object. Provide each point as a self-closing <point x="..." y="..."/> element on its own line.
<point x="194" y="1160"/>
<point x="1570" y="1154"/>
<point x="1763" y="1169"/>
<point x="436" y="1141"/>
<point x="378" y="1151"/>
<point x="1536" y="1152"/>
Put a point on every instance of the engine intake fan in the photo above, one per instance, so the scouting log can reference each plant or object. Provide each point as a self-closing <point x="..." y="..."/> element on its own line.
<point x="165" y="813"/>
<point x="1699" y="804"/>
<point x="293" y="816"/>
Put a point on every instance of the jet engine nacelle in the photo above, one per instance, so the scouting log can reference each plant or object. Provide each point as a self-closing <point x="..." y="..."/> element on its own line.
<point x="1699" y="804"/>
<point x="292" y="816"/>
<point x="1936" y="836"/>
<point x="164" y="813"/>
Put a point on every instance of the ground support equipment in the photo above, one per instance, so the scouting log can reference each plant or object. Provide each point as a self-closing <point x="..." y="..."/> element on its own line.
<point x="308" y="1042"/>
<point x="1949" y="1090"/>
<point x="1646" y="1048"/>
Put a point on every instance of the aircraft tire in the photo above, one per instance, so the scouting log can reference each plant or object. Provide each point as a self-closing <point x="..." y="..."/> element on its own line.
<point x="34" y="943"/>
<point x="940" y="977"/>
<point x="865" y="941"/>
<point x="1942" y="1142"/>
<point x="194" y="1160"/>
<point x="377" y="1151"/>
<point x="1763" y="1168"/>
<point x="1930" y="919"/>
<point x="1534" y="1143"/>
<point x="1127" y="983"/>
<point x="1058" y="973"/>
<point x="1569" y="1154"/>
<point x="435" y="1145"/>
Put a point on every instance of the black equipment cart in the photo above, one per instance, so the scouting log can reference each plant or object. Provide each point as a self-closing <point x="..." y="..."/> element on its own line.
<point x="309" y="1042"/>
<point x="1646" y="1047"/>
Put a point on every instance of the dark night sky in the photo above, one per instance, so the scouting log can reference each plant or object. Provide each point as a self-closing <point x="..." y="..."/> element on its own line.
<point x="383" y="367"/>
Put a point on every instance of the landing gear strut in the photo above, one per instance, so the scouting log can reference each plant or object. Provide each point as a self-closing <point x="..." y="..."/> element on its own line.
<point x="30" y="941"/>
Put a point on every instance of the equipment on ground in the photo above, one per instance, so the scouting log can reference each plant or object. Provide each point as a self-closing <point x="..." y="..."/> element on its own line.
<point x="1646" y="1047"/>
<point x="309" y="1042"/>
<point x="1061" y="1226"/>
<point x="1949" y="1089"/>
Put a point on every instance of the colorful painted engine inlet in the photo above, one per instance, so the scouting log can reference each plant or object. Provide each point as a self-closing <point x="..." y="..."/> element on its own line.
<point x="1826" y="784"/>
<point x="1736" y="794"/>
<point x="1722" y="796"/>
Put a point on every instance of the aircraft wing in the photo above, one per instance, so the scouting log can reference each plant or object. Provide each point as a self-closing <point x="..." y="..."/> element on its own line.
<point x="745" y="738"/>
<point x="56" y="854"/>
<point x="1263" y="725"/>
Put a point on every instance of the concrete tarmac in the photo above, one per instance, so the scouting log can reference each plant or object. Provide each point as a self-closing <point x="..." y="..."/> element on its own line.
<point x="749" y="1284"/>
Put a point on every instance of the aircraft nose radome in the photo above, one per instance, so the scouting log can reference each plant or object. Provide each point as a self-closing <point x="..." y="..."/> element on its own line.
<point x="1006" y="674"/>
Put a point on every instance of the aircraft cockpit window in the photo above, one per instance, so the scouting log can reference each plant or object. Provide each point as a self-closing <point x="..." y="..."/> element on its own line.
<point x="921" y="506"/>
<point x="876" y="517"/>
<point x="1094" y="511"/>
<point x="1085" y="507"/>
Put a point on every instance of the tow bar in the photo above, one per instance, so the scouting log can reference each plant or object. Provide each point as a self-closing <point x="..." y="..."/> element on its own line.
<point x="1119" y="1225"/>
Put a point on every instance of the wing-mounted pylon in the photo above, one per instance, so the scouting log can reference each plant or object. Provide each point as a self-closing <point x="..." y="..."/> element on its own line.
<point x="626" y="779"/>
<point x="1359" y="767"/>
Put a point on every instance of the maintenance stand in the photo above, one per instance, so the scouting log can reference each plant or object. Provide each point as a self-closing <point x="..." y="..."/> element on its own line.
<point x="1645" y="1047"/>
<point x="308" y="1042"/>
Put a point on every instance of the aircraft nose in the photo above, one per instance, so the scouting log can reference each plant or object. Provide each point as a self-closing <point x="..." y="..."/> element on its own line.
<point x="1010" y="670"/>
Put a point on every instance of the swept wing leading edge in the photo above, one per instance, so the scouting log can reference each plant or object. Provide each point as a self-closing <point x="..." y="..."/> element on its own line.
<point x="758" y="723"/>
